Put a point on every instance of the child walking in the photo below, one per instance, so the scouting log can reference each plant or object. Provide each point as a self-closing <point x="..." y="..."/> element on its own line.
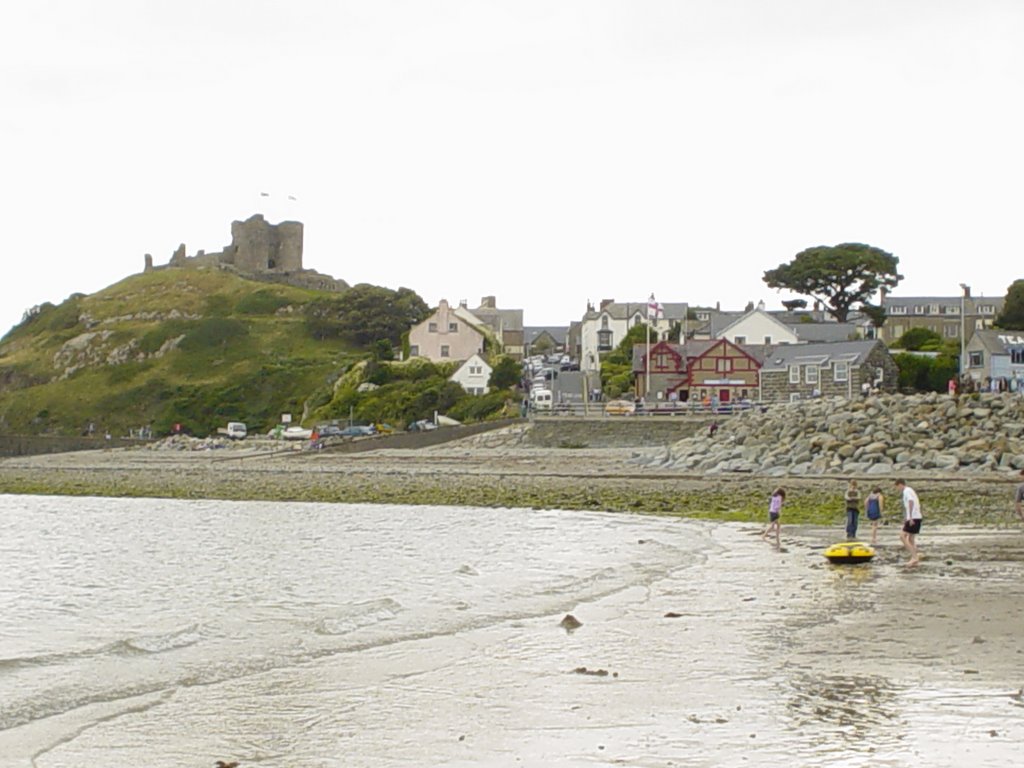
<point x="874" y="505"/>
<point x="774" y="512"/>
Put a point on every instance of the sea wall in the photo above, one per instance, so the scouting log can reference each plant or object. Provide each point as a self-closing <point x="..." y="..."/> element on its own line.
<point x="882" y="435"/>
<point x="616" y="431"/>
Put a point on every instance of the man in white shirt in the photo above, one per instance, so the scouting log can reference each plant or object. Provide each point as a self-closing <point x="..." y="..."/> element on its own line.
<point x="911" y="521"/>
<point x="1019" y="498"/>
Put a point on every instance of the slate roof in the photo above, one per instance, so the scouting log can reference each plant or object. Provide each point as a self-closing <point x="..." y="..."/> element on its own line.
<point x="557" y="332"/>
<point x="625" y="310"/>
<point x="995" y="341"/>
<point x="781" y="357"/>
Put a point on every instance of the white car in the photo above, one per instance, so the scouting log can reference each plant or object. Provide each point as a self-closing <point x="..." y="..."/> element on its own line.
<point x="297" y="433"/>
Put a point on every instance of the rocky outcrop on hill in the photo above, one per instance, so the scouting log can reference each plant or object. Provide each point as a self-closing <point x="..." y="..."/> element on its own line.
<point x="883" y="435"/>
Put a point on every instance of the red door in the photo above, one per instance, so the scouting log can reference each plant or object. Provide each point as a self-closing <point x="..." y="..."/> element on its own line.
<point x="723" y="395"/>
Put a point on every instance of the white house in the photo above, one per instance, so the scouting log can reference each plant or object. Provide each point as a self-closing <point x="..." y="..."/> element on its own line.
<point x="601" y="330"/>
<point x="758" y="327"/>
<point x="473" y="375"/>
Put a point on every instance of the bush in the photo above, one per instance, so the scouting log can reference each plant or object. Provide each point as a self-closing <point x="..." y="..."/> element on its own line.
<point x="264" y="302"/>
<point x="213" y="332"/>
<point x="481" y="407"/>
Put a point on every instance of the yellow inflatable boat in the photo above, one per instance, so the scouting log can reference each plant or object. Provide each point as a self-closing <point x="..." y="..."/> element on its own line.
<point x="849" y="552"/>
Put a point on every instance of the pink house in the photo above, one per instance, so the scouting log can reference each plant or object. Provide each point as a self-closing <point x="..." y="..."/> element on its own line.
<point x="447" y="335"/>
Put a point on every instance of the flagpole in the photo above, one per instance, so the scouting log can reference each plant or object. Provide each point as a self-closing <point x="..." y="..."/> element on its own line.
<point x="647" y="361"/>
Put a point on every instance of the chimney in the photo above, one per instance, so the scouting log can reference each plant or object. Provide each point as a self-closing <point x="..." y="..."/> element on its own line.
<point x="488" y="302"/>
<point x="760" y="305"/>
<point x="463" y="304"/>
<point x="606" y="302"/>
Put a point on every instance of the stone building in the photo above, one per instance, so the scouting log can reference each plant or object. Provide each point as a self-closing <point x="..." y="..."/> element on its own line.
<point x="802" y="371"/>
<point x="262" y="251"/>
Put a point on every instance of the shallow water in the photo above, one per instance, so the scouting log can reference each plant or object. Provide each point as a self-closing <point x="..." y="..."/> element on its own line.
<point x="174" y="633"/>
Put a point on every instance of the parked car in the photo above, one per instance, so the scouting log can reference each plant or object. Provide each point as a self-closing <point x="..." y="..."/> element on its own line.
<point x="329" y="430"/>
<point x="296" y="433"/>
<point x="358" y="430"/>
<point x="423" y="425"/>
<point x="619" y="408"/>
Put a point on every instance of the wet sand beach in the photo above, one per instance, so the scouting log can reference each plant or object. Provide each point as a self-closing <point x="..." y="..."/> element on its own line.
<point x="737" y="654"/>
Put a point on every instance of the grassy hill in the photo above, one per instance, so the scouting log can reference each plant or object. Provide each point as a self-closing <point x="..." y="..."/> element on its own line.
<point x="201" y="347"/>
<point x="198" y="347"/>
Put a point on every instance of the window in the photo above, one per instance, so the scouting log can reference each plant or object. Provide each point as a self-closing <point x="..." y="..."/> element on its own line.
<point x="432" y="327"/>
<point x="476" y="370"/>
<point x="767" y="340"/>
<point x="840" y="371"/>
<point x="986" y="309"/>
<point x="811" y="374"/>
<point x="794" y="374"/>
<point x="723" y="365"/>
<point x="896" y="310"/>
<point x="445" y="350"/>
<point x="663" y="361"/>
<point x="453" y="327"/>
<point x="794" y="397"/>
<point x="919" y="309"/>
<point x="951" y="331"/>
<point x="604" y="341"/>
<point x="604" y="322"/>
<point x="414" y="350"/>
<point x="952" y="309"/>
<point x="975" y="359"/>
<point x="739" y="340"/>
<point x="1017" y="356"/>
<point x="933" y="309"/>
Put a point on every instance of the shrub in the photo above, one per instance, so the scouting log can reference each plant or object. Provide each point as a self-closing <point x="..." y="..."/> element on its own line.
<point x="264" y="302"/>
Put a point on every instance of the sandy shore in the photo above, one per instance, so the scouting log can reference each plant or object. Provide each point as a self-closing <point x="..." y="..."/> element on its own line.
<point x="813" y="664"/>
<point x="487" y="470"/>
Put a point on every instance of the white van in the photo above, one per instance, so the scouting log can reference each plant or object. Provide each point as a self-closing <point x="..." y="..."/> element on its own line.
<point x="541" y="399"/>
<point x="236" y="430"/>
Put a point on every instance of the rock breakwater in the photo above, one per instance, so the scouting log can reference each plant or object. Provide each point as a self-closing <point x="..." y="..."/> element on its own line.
<point x="883" y="435"/>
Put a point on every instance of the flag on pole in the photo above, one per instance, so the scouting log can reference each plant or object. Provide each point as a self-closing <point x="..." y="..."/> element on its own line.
<point x="654" y="310"/>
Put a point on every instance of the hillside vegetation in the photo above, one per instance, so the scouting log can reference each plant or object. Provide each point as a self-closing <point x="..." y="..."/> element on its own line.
<point x="201" y="347"/>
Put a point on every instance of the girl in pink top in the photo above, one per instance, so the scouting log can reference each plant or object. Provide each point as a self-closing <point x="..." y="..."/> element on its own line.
<point x="774" y="513"/>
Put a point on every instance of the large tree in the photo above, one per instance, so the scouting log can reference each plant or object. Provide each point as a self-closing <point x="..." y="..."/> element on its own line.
<point x="1012" y="316"/>
<point x="839" y="276"/>
<point x="365" y="314"/>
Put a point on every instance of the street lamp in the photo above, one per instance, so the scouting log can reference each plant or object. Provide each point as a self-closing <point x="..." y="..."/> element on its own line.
<point x="965" y="291"/>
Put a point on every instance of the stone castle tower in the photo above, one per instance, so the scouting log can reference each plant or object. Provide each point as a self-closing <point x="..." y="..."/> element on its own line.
<point x="258" y="246"/>
<point x="259" y="250"/>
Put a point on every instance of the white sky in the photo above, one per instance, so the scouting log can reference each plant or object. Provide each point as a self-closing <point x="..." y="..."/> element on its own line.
<point x="545" y="152"/>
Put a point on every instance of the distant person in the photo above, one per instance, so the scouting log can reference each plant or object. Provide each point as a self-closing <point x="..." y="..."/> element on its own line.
<point x="1019" y="499"/>
<point x="874" y="506"/>
<point x="852" y="499"/>
<point x="712" y="429"/>
<point x="774" y="513"/>
<point x="911" y="521"/>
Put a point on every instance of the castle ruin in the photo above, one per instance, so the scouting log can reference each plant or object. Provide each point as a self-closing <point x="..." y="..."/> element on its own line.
<point x="259" y="250"/>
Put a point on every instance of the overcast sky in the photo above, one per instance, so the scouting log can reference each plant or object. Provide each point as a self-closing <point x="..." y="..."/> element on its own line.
<point x="544" y="152"/>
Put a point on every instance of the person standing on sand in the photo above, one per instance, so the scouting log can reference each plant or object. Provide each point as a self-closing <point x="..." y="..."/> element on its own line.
<point x="874" y="505"/>
<point x="774" y="513"/>
<point x="852" y="498"/>
<point x="911" y="521"/>
<point x="1019" y="498"/>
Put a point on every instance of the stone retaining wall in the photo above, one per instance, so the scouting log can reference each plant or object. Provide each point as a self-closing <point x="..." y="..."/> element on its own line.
<point x="616" y="432"/>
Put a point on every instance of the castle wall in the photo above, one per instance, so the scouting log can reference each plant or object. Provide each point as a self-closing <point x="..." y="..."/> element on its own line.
<point x="258" y="246"/>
